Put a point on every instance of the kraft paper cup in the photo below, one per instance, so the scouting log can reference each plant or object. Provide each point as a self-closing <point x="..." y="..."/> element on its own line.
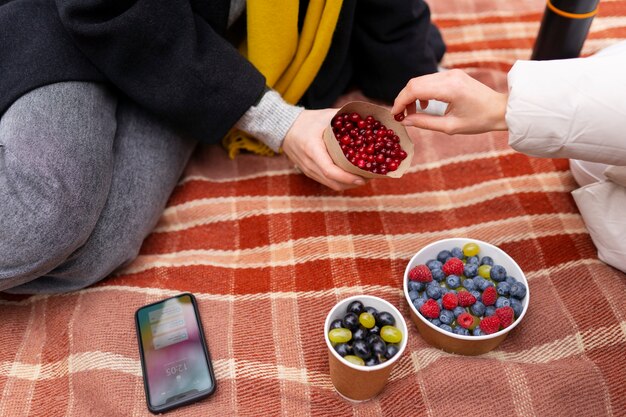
<point x="381" y="114"/>
<point x="450" y="342"/>
<point x="355" y="382"/>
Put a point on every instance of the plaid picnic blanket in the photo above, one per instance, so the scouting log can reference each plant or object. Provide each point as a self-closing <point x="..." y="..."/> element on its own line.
<point x="268" y="252"/>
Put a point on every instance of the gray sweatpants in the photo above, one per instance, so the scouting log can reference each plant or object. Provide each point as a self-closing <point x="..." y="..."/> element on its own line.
<point x="84" y="177"/>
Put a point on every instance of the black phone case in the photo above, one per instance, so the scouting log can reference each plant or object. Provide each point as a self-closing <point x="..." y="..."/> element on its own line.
<point x="187" y="400"/>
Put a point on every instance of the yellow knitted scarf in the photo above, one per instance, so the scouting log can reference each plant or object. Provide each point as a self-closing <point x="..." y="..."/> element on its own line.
<point x="289" y="60"/>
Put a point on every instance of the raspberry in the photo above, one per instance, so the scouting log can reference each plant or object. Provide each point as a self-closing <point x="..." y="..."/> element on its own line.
<point x="490" y="324"/>
<point x="505" y="314"/>
<point x="465" y="320"/>
<point x="489" y="296"/>
<point x="453" y="266"/>
<point x="420" y="273"/>
<point x="465" y="299"/>
<point x="430" y="309"/>
<point x="449" y="301"/>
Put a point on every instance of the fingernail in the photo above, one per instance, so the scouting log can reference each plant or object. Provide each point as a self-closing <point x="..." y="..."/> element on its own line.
<point x="359" y="182"/>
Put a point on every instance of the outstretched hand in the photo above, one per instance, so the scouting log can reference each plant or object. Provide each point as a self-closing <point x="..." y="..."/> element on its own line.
<point x="304" y="145"/>
<point x="473" y="107"/>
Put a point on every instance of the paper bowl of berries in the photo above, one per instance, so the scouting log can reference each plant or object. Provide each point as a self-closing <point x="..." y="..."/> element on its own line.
<point x="365" y="336"/>
<point x="465" y="295"/>
<point x="365" y="139"/>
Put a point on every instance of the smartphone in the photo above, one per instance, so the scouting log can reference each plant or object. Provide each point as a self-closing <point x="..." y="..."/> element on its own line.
<point x="175" y="360"/>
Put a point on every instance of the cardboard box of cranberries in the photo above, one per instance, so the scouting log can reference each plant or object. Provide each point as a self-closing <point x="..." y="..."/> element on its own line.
<point x="365" y="139"/>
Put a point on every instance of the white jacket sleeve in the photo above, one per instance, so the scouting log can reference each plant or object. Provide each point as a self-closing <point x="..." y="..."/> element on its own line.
<point x="573" y="108"/>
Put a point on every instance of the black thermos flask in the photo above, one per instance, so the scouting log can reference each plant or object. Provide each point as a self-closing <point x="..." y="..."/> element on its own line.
<point x="564" y="28"/>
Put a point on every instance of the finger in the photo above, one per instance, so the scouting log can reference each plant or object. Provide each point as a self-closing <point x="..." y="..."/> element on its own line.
<point x="335" y="185"/>
<point x="411" y="108"/>
<point x="424" y="88"/>
<point x="429" y="122"/>
<point x="327" y="169"/>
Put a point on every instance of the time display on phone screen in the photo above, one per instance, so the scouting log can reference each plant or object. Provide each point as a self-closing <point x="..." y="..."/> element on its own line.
<point x="175" y="362"/>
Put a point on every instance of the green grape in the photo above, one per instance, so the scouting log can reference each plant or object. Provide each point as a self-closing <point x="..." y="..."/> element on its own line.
<point x="391" y="334"/>
<point x="484" y="270"/>
<point x="354" y="359"/>
<point x="340" y="335"/>
<point x="367" y="320"/>
<point x="471" y="249"/>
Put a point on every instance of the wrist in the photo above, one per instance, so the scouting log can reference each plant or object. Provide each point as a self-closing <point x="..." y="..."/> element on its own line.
<point x="270" y="119"/>
<point x="499" y="114"/>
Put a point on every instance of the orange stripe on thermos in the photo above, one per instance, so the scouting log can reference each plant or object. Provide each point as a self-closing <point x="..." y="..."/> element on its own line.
<point x="564" y="28"/>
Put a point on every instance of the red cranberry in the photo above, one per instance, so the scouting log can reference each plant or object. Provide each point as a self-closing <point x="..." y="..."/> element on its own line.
<point x="367" y="143"/>
<point x="399" y="117"/>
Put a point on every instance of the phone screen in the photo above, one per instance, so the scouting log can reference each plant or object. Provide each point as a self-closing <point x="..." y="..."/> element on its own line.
<point x="175" y="360"/>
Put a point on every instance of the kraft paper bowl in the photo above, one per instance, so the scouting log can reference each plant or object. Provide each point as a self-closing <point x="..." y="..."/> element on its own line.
<point x="381" y="114"/>
<point x="450" y="342"/>
<point x="355" y="382"/>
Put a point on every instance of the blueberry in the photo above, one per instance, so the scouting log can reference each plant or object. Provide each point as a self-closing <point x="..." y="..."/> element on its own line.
<point x="470" y="270"/>
<point x="443" y="256"/>
<point x="453" y="281"/>
<point x="457" y="252"/>
<point x="418" y="303"/>
<point x="446" y="316"/>
<point x="458" y="311"/>
<point x="434" y="264"/>
<point x="518" y="290"/>
<point x="436" y="322"/>
<point x="361" y="349"/>
<point x="478" y="308"/>
<point x="497" y="273"/>
<point x="486" y="260"/>
<point x="351" y="321"/>
<point x="440" y="303"/>
<point x="355" y="307"/>
<point x="477" y="294"/>
<point x="413" y="295"/>
<point x="503" y="302"/>
<point x="433" y="291"/>
<point x="517" y="307"/>
<point x="360" y="333"/>
<point x="453" y="291"/>
<point x="416" y="286"/>
<point x="480" y="283"/>
<point x="445" y="327"/>
<point x="490" y="311"/>
<point x="468" y="283"/>
<point x="438" y="275"/>
<point x="472" y="260"/>
<point x="385" y="319"/>
<point x="503" y="288"/>
<point x="343" y="349"/>
<point x="336" y="324"/>
<point x="510" y="280"/>
<point x="392" y="350"/>
<point x="460" y="330"/>
<point x="477" y="331"/>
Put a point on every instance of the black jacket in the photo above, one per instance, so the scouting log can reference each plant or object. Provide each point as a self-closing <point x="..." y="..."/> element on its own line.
<point x="171" y="56"/>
